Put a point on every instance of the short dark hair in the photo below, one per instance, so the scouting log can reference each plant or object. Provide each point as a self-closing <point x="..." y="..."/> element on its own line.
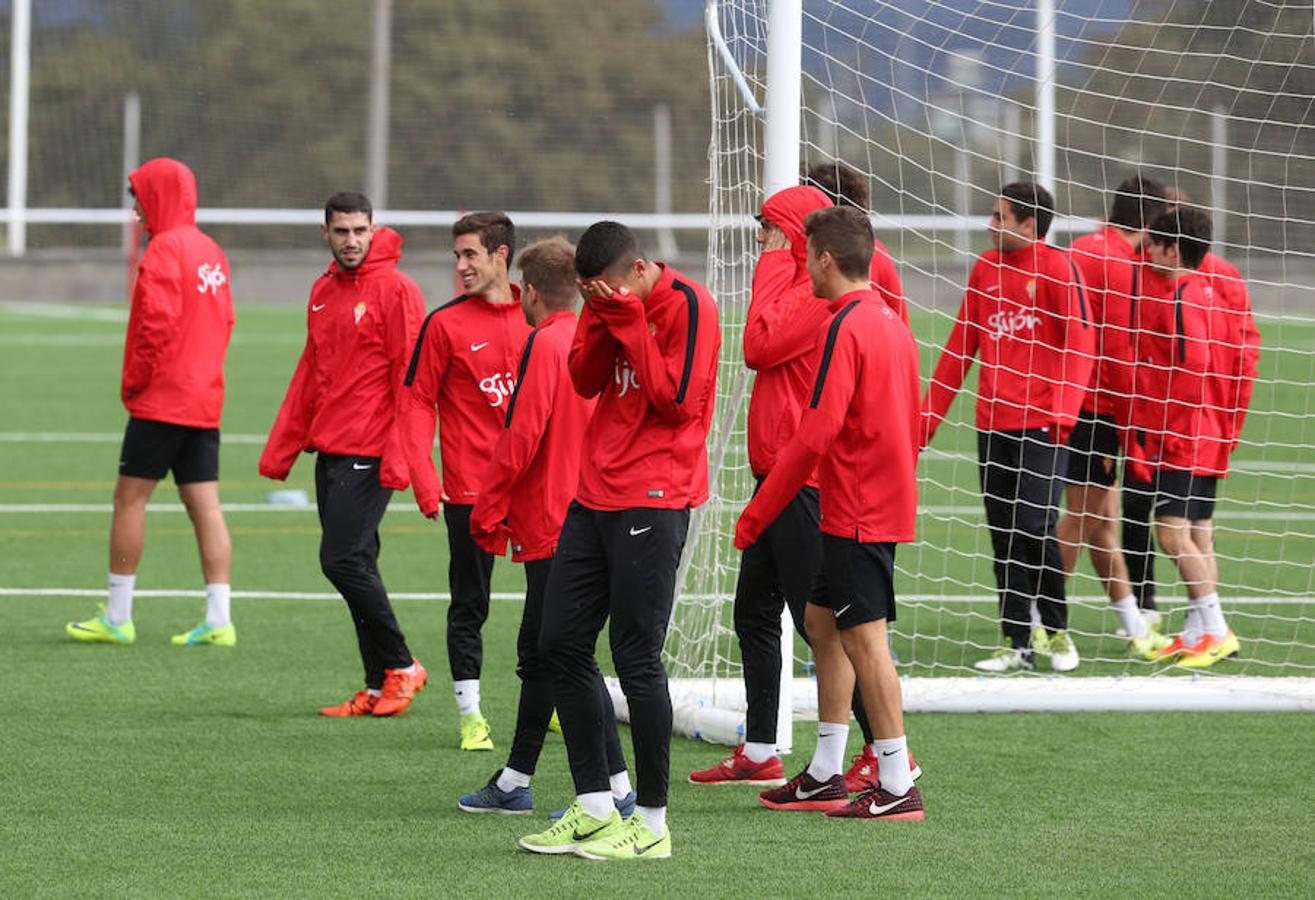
<point x="602" y="246"/>
<point x="1029" y="200"/>
<point x="845" y="233"/>
<point x="1187" y="227"/>
<point x="549" y="265"/>
<point x="494" y="229"/>
<point x="844" y="184"/>
<point x="1137" y="201"/>
<point x="347" y="202"/>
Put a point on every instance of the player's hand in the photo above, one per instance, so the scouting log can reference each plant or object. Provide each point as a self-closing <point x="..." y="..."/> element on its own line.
<point x="774" y="239"/>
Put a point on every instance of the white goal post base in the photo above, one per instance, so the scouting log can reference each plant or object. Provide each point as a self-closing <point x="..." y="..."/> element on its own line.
<point x="712" y="709"/>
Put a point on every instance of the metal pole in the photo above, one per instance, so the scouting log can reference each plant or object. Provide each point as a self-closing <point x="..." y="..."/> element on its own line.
<point x="376" y="152"/>
<point x="1219" y="176"/>
<point x="19" y="71"/>
<point x="132" y="150"/>
<point x="1045" y="93"/>
<point x="662" y="177"/>
<point x="1013" y="126"/>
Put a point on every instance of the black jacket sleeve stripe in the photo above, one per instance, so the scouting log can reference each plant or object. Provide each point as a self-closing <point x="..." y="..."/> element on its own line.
<point x="691" y="336"/>
<point x="1179" y="325"/>
<point x="520" y="377"/>
<point x="832" y="333"/>
<point x="420" y="339"/>
<point x="1082" y="291"/>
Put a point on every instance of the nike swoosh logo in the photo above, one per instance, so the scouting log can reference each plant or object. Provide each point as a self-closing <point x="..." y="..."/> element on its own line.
<point x="317" y="308"/>
<point x="891" y="753"/>
<point x="637" y="531"/>
<point x="640" y="851"/>
<point x="842" y="610"/>
<point x="802" y="794"/>
<point x="878" y="810"/>
<point x="1160" y="503"/>
<point x="359" y="466"/>
<point x="475" y="347"/>
<point x="581" y="838"/>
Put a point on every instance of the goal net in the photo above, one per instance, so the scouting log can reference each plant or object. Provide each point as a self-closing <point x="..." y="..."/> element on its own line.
<point x="937" y="104"/>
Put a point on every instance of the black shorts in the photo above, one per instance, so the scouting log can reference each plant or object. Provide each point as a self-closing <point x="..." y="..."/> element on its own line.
<point x="1093" y="451"/>
<point x="857" y="582"/>
<point x="152" y="449"/>
<point x="1185" y="495"/>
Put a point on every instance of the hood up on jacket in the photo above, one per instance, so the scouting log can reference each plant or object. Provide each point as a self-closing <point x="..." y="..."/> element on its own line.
<point x="385" y="253"/>
<point x="787" y="209"/>
<point x="166" y="190"/>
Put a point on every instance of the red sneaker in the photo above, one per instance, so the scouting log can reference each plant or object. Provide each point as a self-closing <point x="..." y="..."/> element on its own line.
<point x="739" y="769"/>
<point x="359" y="704"/>
<point x="804" y="792"/>
<point x="878" y="804"/>
<point x="863" y="774"/>
<point x="400" y="687"/>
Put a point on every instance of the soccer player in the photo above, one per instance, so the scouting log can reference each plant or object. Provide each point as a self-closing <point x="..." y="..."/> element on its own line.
<point x="1172" y="345"/>
<point x="846" y="187"/>
<point x="859" y="433"/>
<point x="646" y="346"/>
<point x="460" y="381"/>
<point x="778" y="570"/>
<point x="523" y="496"/>
<point x="361" y="322"/>
<point x="1107" y="262"/>
<point x="173" y="388"/>
<point x="1025" y="311"/>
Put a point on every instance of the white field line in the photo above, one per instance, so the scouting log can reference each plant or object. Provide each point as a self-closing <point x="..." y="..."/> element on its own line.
<point x="64" y="311"/>
<point x="908" y="599"/>
<point x="959" y="512"/>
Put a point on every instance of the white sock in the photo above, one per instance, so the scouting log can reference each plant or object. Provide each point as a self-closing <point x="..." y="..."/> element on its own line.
<point x="467" y="693"/>
<point x="597" y="804"/>
<point x="1152" y="617"/>
<point x="1212" y="616"/>
<point x="410" y="670"/>
<point x="1036" y="616"/>
<point x="509" y="779"/>
<point x="829" y="757"/>
<point x="654" y="818"/>
<point x="620" y="783"/>
<point x="118" y="610"/>
<point x="755" y="751"/>
<point x="1130" y="617"/>
<point x="218" y="602"/>
<point x="1193" y="628"/>
<point x="893" y="765"/>
<point x="374" y="692"/>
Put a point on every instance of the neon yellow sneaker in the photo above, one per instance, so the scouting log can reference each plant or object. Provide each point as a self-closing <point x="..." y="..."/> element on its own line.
<point x="633" y="841"/>
<point x="555" y="724"/>
<point x="1209" y="651"/>
<point x="1150" y="647"/>
<point x="475" y="732"/>
<point x="1040" y="641"/>
<point x="203" y="634"/>
<point x="572" y="830"/>
<point x="100" y="631"/>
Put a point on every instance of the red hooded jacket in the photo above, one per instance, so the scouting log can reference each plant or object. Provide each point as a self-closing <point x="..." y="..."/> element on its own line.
<point x="1171" y="342"/>
<point x="1107" y="262"/>
<point x="860" y="430"/>
<point x="360" y="328"/>
<point x="1026" y="313"/>
<point x="532" y="476"/>
<point x="1234" y="362"/>
<point x="182" y="312"/>
<point x="653" y="365"/>
<point x="462" y="376"/>
<point x="780" y="332"/>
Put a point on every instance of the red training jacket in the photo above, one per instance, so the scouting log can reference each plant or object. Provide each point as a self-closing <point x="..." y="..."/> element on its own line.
<point x="654" y="363"/>
<point x="182" y="313"/>
<point x="462" y="376"/>
<point x="1172" y="321"/>
<point x="532" y="476"/>
<point x="860" y="430"/>
<point x="1234" y="362"/>
<point x="1106" y="262"/>
<point x="1026" y="313"/>
<point x="360" y="327"/>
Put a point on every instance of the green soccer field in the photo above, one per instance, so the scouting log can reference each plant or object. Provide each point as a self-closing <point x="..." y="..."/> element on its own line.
<point x="155" y="771"/>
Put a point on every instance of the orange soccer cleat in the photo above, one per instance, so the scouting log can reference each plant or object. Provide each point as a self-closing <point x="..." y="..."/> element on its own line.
<point x="400" y="687"/>
<point x="359" y="704"/>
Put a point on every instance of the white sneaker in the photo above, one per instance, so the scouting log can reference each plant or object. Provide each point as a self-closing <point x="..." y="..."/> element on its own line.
<point x="1063" y="652"/>
<point x="1150" y="616"/>
<point x="1006" y="659"/>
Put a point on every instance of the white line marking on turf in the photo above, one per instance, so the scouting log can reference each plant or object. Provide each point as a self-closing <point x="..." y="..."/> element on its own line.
<point x="107" y="437"/>
<point x="64" y="311"/>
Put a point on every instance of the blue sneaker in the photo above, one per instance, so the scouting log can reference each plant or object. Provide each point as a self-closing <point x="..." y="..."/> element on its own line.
<point x="489" y="799"/>
<point x="625" y="806"/>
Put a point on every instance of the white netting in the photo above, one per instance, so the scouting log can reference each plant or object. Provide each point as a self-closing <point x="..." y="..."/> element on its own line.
<point x="936" y="104"/>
